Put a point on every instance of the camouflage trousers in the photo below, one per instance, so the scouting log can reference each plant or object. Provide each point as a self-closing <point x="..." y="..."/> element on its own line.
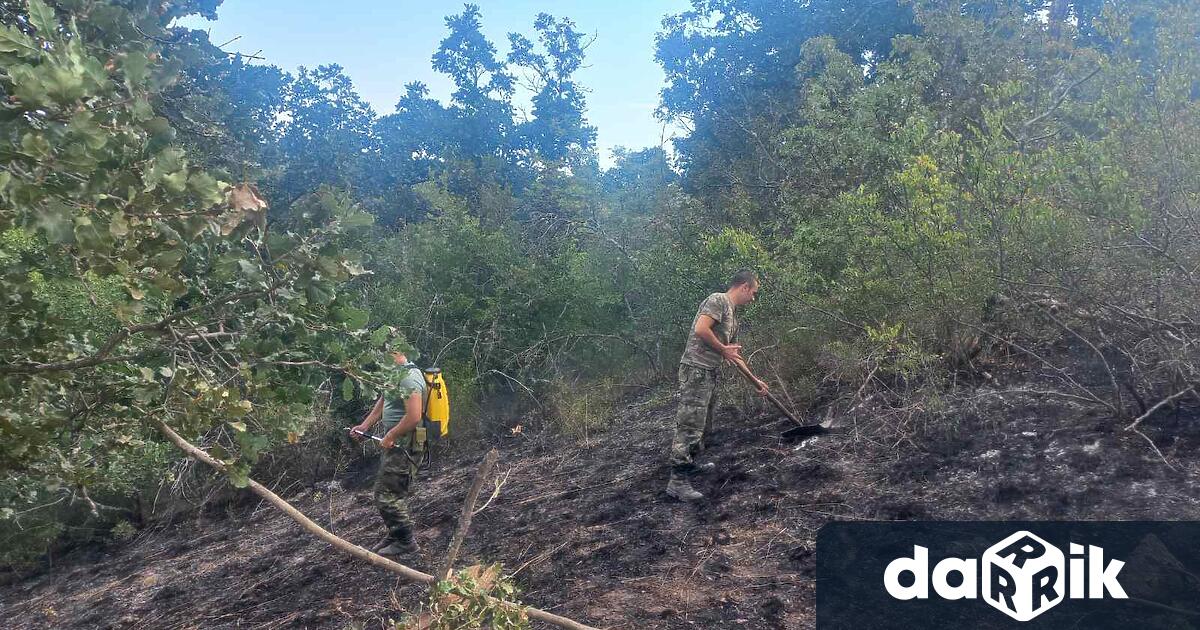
<point x="693" y="420"/>
<point x="393" y="484"/>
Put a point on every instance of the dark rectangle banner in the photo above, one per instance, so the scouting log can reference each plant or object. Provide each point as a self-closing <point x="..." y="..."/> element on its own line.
<point x="1013" y="574"/>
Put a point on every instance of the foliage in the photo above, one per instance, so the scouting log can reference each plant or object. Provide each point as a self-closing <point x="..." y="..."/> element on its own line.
<point x="123" y="530"/>
<point x="488" y="303"/>
<point x="327" y="136"/>
<point x="477" y="597"/>
<point x="982" y="162"/>
<point x="141" y="288"/>
<point x="558" y="131"/>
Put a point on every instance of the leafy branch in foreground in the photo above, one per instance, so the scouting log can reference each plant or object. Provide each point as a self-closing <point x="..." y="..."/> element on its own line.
<point x="476" y="597"/>
<point x="136" y="285"/>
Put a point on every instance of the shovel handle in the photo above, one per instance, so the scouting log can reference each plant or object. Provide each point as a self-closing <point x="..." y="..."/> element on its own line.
<point x="750" y="377"/>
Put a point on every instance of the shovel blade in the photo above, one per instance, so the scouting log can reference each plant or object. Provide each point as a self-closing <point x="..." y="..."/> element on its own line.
<point x="806" y="431"/>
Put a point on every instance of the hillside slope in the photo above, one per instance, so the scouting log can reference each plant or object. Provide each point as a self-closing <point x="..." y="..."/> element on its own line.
<point x="589" y="534"/>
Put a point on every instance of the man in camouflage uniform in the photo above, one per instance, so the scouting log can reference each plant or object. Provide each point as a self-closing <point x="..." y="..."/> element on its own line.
<point x="401" y="407"/>
<point x="710" y="343"/>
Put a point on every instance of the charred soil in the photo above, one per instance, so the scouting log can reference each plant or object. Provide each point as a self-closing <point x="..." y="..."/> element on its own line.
<point x="586" y="529"/>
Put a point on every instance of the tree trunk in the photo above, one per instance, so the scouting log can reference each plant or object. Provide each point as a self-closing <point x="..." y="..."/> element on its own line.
<point x="1059" y="10"/>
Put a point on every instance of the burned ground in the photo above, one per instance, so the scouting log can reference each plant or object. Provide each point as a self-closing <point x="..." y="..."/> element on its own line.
<point x="588" y="533"/>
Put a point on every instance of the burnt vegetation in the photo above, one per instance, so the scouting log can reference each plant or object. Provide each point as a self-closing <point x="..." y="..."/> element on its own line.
<point x="976" y="225"/>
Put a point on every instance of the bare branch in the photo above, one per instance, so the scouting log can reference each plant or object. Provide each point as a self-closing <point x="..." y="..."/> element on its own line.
<point x="102" y="355"/>
<point x="1155" y="447"/>
<point x="1166" y="401"/>
<point x="1061" y="97"/>
<point x="468" y="511"/>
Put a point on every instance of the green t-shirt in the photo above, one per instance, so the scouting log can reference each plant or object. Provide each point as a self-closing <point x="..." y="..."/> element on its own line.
<point x="696" y="352"/>
<point x="408" y="379"/>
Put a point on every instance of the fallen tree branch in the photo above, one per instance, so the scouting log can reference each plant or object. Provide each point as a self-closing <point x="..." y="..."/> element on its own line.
<point x="468" y="511"/>
<point x="358" y="552"/>
<point x="1155" y="447"/>
<point x="1166" y="401"/>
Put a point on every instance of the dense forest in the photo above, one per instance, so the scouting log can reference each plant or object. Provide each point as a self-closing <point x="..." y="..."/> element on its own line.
<point x="196" y="240"/>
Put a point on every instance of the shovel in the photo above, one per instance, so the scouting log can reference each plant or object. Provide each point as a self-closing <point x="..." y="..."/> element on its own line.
<point x="795" y="433"/>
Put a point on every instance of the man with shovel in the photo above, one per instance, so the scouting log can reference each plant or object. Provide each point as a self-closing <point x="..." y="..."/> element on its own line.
<point x="710" y="342"/>
<point x="400" y="407"/>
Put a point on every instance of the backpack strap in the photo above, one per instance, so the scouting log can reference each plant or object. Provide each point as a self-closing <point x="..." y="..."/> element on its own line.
<point x="424" y="395"/>
<point x="422" y="428"/>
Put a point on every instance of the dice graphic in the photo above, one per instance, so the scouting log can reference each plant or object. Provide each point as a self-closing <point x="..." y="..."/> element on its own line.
<point x="1023" y="576"/>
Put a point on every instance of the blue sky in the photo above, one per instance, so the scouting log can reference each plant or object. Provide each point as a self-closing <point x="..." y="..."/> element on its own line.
<point x="384" y="44"/>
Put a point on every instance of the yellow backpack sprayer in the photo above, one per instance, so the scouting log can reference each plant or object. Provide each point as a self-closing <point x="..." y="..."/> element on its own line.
<point x="437" y="402"/>
<point x="437" y="410"/>
<point x="436" y="421"/>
